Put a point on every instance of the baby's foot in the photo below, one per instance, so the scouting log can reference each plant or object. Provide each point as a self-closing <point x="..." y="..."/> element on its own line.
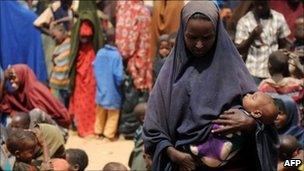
<point x="226" y="149"/>
<point x="211" y="162"/>
<point x="194" y="149"/>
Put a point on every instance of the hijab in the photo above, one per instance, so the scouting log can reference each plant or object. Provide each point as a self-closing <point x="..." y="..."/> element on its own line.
<point x="189" y="93"/>
<point x="87" y="11"/>
<point x="292" y="126"/>
<point x="33" y="94"/>
<point x="159" y="61"/>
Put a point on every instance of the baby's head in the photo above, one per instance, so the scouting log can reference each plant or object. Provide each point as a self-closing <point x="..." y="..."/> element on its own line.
<point x="261" y="106"/>
<point x="114" y="166"/>
<point x="289" y="147"/>
<point x="77" y="158"/>
<point x="22" y="144"/>
<point x="140" y="112"/>
<point x="20" y="120"/>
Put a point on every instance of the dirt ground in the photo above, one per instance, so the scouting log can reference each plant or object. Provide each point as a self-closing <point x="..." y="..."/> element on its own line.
<point x="101" y="152"/>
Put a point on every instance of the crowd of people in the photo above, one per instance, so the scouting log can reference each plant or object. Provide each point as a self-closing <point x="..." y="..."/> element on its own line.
<point x="198" y="85"/>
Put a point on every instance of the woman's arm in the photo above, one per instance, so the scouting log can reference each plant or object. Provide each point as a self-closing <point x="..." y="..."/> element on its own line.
<point x="234" y="120"/>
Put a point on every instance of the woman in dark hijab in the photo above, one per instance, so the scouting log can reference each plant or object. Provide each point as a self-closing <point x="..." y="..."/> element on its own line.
<point x="203" y="76"/>
<point x="287" y="122"/>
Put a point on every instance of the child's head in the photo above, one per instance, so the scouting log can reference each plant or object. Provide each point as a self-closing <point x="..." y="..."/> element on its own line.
<point x="22" y="144"/>
<point x="77" y="158"/>
<point x="20" y="120"/>
<point x="289" y="147"/>
<point x="278" y="63"/>
<point x="59" y="33"/>
<point x="281" y="120"/>
<point x="172" y="38"/>
<point x="260" y="106"/>
<point x="114" y="166"/>
<point x="140" y="112"/>
<point x="300" y="28"/>
<point x="110" y="33"/>
<point x="164" y="46"/>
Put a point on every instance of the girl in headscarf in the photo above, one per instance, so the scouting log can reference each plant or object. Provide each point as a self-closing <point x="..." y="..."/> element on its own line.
<point x="287" y="121"/>
<point x="23" y="92"/>
<point x="203" y="77"/>
<point x="86" y="40"/>
<point x="163" y="50"/>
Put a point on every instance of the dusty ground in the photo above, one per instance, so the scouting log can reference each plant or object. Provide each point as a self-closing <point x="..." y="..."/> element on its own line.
<point x="101" y="152"/>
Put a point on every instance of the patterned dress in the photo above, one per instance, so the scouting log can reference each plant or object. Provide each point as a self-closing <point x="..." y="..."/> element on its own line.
<point x="133" y="41"/>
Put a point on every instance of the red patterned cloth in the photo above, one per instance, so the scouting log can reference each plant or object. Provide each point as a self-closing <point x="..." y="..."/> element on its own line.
<point x="82" y="103"/>
<point x="287" y="86"/>
<point x="133" y="41"/>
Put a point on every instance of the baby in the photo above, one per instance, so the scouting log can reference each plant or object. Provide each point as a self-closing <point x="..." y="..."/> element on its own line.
<point x="217" y="150"/>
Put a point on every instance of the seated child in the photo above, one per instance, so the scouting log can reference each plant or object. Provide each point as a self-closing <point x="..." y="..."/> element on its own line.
<point x="6" y="159"/>
<point x="35" y="145"/>
<point x="30" y="120"/>
<point x="217" y="150"/>
<point x="114" y="166"/>
<point x="281" y="82"/>
<point x="77" y="158"/>
<point x="136" y="160"/>
<point x="289" y="148"/>
<point x="287" y="122"/>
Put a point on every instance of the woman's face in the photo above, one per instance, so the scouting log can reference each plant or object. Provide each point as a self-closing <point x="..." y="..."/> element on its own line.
<point x="12" y="83"/>
<point x="199" y="36"/>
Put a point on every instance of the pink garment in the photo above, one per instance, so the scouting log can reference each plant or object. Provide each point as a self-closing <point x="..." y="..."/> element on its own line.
<point x="133" y="41"/>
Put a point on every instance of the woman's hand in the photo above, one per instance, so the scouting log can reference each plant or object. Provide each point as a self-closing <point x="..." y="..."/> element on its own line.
<point x="184" y="160"/>
<point x="232" y="121"/>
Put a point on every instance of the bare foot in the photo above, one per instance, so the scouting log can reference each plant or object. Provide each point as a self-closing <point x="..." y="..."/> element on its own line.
<point x="211" y="162"/>
<point x="226" y="150"/>
<point x="194" y="150"/>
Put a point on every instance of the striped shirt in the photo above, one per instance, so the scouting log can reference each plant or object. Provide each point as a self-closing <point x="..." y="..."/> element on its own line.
<point x="60" y="77"/>
<point x="274" y="28"/>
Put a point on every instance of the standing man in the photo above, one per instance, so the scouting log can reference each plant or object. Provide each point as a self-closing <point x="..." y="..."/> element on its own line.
<point x="259" y="33"/>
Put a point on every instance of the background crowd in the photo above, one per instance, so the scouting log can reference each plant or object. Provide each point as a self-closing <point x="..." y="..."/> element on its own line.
<point x="89" y="66"/>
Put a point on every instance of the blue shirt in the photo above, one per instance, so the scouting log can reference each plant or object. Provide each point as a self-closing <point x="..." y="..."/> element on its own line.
<point x="108" y="70"/>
